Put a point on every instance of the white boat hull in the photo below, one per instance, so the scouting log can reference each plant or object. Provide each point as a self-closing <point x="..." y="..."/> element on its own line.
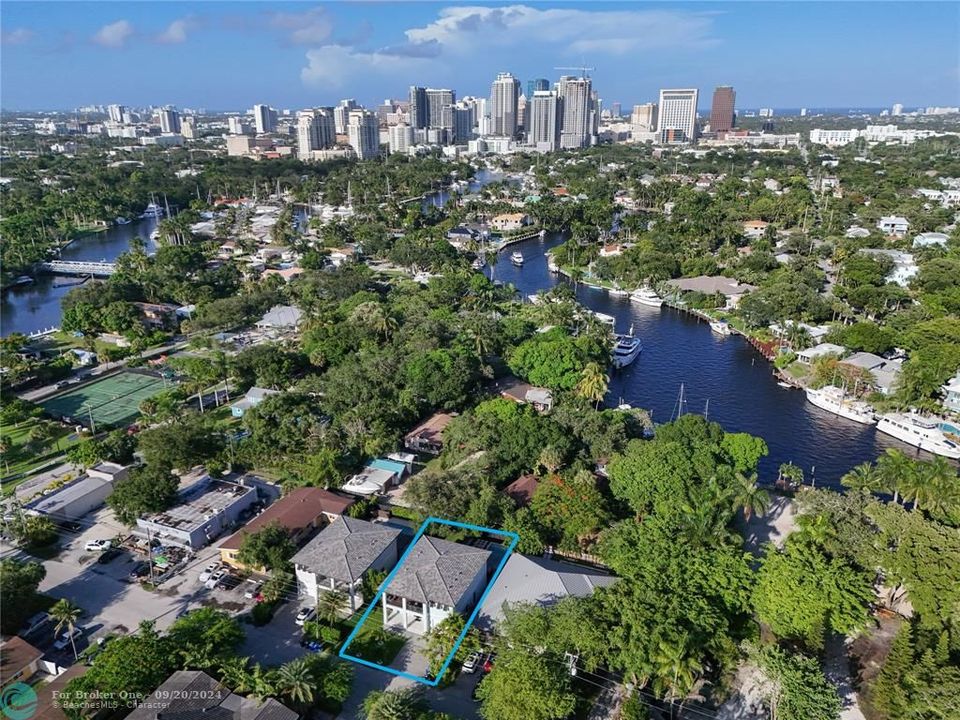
<point x="844" y="410"/>
<point x="621" y="361"/>
<point x="931" y="441"/>
<point x="720" y="328"/>
<point x="650" y="299"/>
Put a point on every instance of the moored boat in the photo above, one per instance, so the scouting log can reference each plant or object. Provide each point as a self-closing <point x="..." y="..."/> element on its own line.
<point x="626" y="350"/>
<point x="121" y="221"/>
<point x="720" y="327"/>
<point x="605" y="319"/>
<point x="152" y="211"/>
<point x="617" y="292"/>
<point x="834" y="400"/>
<point x="516" y="258"/>
<point x="551" y="265"/>
<point x="646" y="296"/>
<point x="921" y="432"/>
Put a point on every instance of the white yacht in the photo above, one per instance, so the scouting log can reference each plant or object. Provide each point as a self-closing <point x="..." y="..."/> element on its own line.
<point x="626" y="350"/>
<point x="152" y="210"/>
<point x="720" y="327"/>
<point x="605" y="319"/>
<point x="478" y="263"/>
<point x="617" y="292"/>
<point x="834" y="400"/>
<point x="516" y="258"/>
<point x="121" y="221"/>
<point x="921" y="432"/>
<point x="646" y="296"/>
<point x="551" y="265"/>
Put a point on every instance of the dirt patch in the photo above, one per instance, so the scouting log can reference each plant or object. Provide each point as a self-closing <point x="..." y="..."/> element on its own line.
<point x="870" y="650"/>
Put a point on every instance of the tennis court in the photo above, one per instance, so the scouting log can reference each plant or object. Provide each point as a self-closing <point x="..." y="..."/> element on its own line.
<point x="112" y="401"/>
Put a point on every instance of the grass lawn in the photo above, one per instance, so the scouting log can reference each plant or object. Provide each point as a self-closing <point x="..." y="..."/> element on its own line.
<point x="371" y="643"/>
<point x="22" y="461"/>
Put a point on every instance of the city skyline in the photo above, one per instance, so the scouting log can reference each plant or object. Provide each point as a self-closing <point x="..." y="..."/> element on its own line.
<point x="65" y="55"/>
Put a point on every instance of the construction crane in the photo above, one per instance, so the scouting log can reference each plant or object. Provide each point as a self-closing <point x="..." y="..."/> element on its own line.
<point x="582" y="68"/>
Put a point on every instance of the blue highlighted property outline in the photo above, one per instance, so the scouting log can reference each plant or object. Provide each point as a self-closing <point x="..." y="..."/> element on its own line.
<point x="514" y="539"/>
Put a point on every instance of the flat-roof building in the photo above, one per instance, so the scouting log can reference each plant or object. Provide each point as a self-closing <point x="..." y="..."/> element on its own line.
<point x="81" y="496"/>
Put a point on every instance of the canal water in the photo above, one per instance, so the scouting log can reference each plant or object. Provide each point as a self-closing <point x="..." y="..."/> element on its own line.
<point x="726" y="372"/>
<point x="30" y="308"/>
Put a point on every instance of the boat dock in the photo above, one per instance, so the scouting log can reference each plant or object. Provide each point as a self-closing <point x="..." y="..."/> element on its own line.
<point x="68" y="267"/>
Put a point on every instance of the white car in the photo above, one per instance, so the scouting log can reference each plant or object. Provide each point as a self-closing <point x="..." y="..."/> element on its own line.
<point x="305" y="615"/>
<point x="64" y="640"/>
<point x="208" y="571"/>
<point x="470" y="664"/>
<point x="252" y="589"/>
<point x="97" y="545"/>
<point x="215" y="578"/>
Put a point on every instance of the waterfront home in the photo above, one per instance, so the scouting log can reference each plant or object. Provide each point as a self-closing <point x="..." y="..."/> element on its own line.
<point x="731" y="289"/>
<point x="427" y="437"/>
<point x="611" y="250"/>
<point x="436" y="579"/>
<point x="157" y="315"/>
<point x="514" y="389"/>
<point x="951" y="393"/>
<point x="341" y="554"/>
<point x="194" y="694"/>
<point x="460" y="236"/>
<point x="538" y="581"/>
<point x="893" y="225"/>
<point x="252" y="398"/>
<point x="885" y="372"/>
<point x="509" y="221"/>
<point x="299" y="513"/>
<point x="808" y="355"/>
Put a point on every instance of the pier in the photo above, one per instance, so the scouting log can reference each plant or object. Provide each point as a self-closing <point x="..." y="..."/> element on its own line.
<point x="78" y="268"/>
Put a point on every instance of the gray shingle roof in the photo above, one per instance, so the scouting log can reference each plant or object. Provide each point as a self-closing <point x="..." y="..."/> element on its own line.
<point x="346" y="548"/>
<point x="438" y="571"/>
<point x="194" y="695"/>
<point x="538" y="581"/>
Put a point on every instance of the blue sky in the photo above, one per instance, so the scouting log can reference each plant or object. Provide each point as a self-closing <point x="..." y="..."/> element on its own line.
<point x="230" y="55"/>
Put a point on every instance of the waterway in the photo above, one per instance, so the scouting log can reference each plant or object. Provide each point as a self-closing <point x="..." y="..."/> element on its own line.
<point x="30" y="308"/>
<point x="726" y="372"/>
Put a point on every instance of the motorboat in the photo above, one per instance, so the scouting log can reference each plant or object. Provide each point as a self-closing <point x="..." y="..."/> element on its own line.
<point x="921" y="432"/>
<point x="121" y="221"/>
<point x="785" y="385"/>
<point x="646" y="296"/>
<point x="542" y="234"/>
<point x="720" y="327"/>
<point x="152" y="211"/>
<point x="617" y="292"/>
<point x="551" y="265"/>
<point x="605" y="319"/>
<point x="478" y="264"/>
<point x="516" y="258"/>
<point x="22" y="280"/>
<point x="626" y="350"/>
<point x="835" y="400"/>
<point x="155" y="235"/>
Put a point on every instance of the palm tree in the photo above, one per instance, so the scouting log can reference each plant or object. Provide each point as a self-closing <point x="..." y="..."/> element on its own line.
<point x="236" y="675"/>
<point x="399" y="704"/>
<point x="593" y="383"/>
<point x="66" y="615"/>
<point x="296" y="682"/>
<point x="481" y="343"/>
<point x="551" y="458"/>
<point x="941" y="496"/>
<point x="748" y="496"/>
<point x="263" y="682"/>
<point x="894" y="467"/>
<point x="330" y="604"/>
<point x="863" y="477"/>
<point x="675" y="669"/>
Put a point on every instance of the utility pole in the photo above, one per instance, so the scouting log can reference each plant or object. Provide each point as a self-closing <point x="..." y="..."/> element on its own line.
<point x="150" y="553"/>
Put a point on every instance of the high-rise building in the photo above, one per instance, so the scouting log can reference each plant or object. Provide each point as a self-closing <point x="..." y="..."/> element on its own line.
<point x="579" y="111"/>
<point x="462" y="121"/>
<point x="536" y="85"/>
<point x="236" y="126"/>
<point x="677" y="110"/>
<point x="522" y="113"/>
<point x="765" y="112"/>
<point x="897" y="109"/>
<point x="644" y="118"/>
<point x="188" y="127"/>
<point x="803" y="112"/>
<point x="116" y="113"/>
<point x="544" y="113"/>
<point x="722" y="109"/>
<point x="315" y="130"/>
<point x="169" y="120"/>
<point x="616" y="111"/>
<point x="419" y="108"/>
<point x="437" y="100"/>
<point x="341" y="114"/>
<point x="364" y="132"/>
<point x="481" y="114"/>
<point x="400" y="138"/>
<point x="264" y="119"/>
<point x="504" y="95"/>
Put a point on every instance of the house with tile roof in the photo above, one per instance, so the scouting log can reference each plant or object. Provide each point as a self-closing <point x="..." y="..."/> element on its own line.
<point x="339" y="556"/>
<point x="436" y="579"/>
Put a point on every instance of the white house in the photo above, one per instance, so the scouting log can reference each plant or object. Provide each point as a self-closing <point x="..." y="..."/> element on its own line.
<point x="893" y="225"/>
<point x="930" y="238"/>
<point x="951" y="393"/>
<point x="808" y="355"/>
<point x="436" y="579"/>
<point x="904" y="266"/>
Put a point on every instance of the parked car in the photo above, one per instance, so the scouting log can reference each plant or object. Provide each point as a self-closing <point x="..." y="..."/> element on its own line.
<point x="64" y="640"/>
<point x="305" y="615"/>
<point x="228" y="582"/>
<point x="208" y="571"/>
<point x="140" y="571"/>
<point x="97" y="545"/>
<point x="215" y="578"/>
<point x="314" y="646"/>
<point x="252" y="589"/>
<point x="34" y="623"/>
<point x="109" y="555"/>
<point x="470" y="664"/>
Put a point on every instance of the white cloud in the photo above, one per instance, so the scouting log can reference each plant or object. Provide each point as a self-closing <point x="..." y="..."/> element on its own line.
<point x="561" y="34"/>
<point x="176" y="32"/>
<point x="311" y="27"/>
<point x="114" y="35"/>
<point x="19" y="36"/>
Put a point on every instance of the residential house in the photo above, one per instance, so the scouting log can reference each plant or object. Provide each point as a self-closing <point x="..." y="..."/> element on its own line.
<point x="808" y="355"/>
<point x="253" y="397"/>
<point x="300" y="512"/>
<point x="509" y="221"/>
<point x="755" y="229"/>
<point x="19" y="661"/>
<point x="157" y="315"/>
<point x="192" y="695"/>
<point x="281" y="317"/>
<point x="611" y="250"/>
<point x="229" y="249"/>
<point x="522" y="489"/>
<point x="951" y="393"/>
<point x="731" y="289"/>
<point x="341" y="554"/>
<point x="513" y="389"/>
<point x="287" y="274"/>
<point x="885" y="372"/>
<point x="460" y="237"/>
<point x="537" y="581"/>
<point x="436" y="579"/>
<point x="893" y="225"/>
<point x="928" y="239"/>
<point x="854" y="232"/>
<point x="904" y="266"/>
<point x="427" y="437"/>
